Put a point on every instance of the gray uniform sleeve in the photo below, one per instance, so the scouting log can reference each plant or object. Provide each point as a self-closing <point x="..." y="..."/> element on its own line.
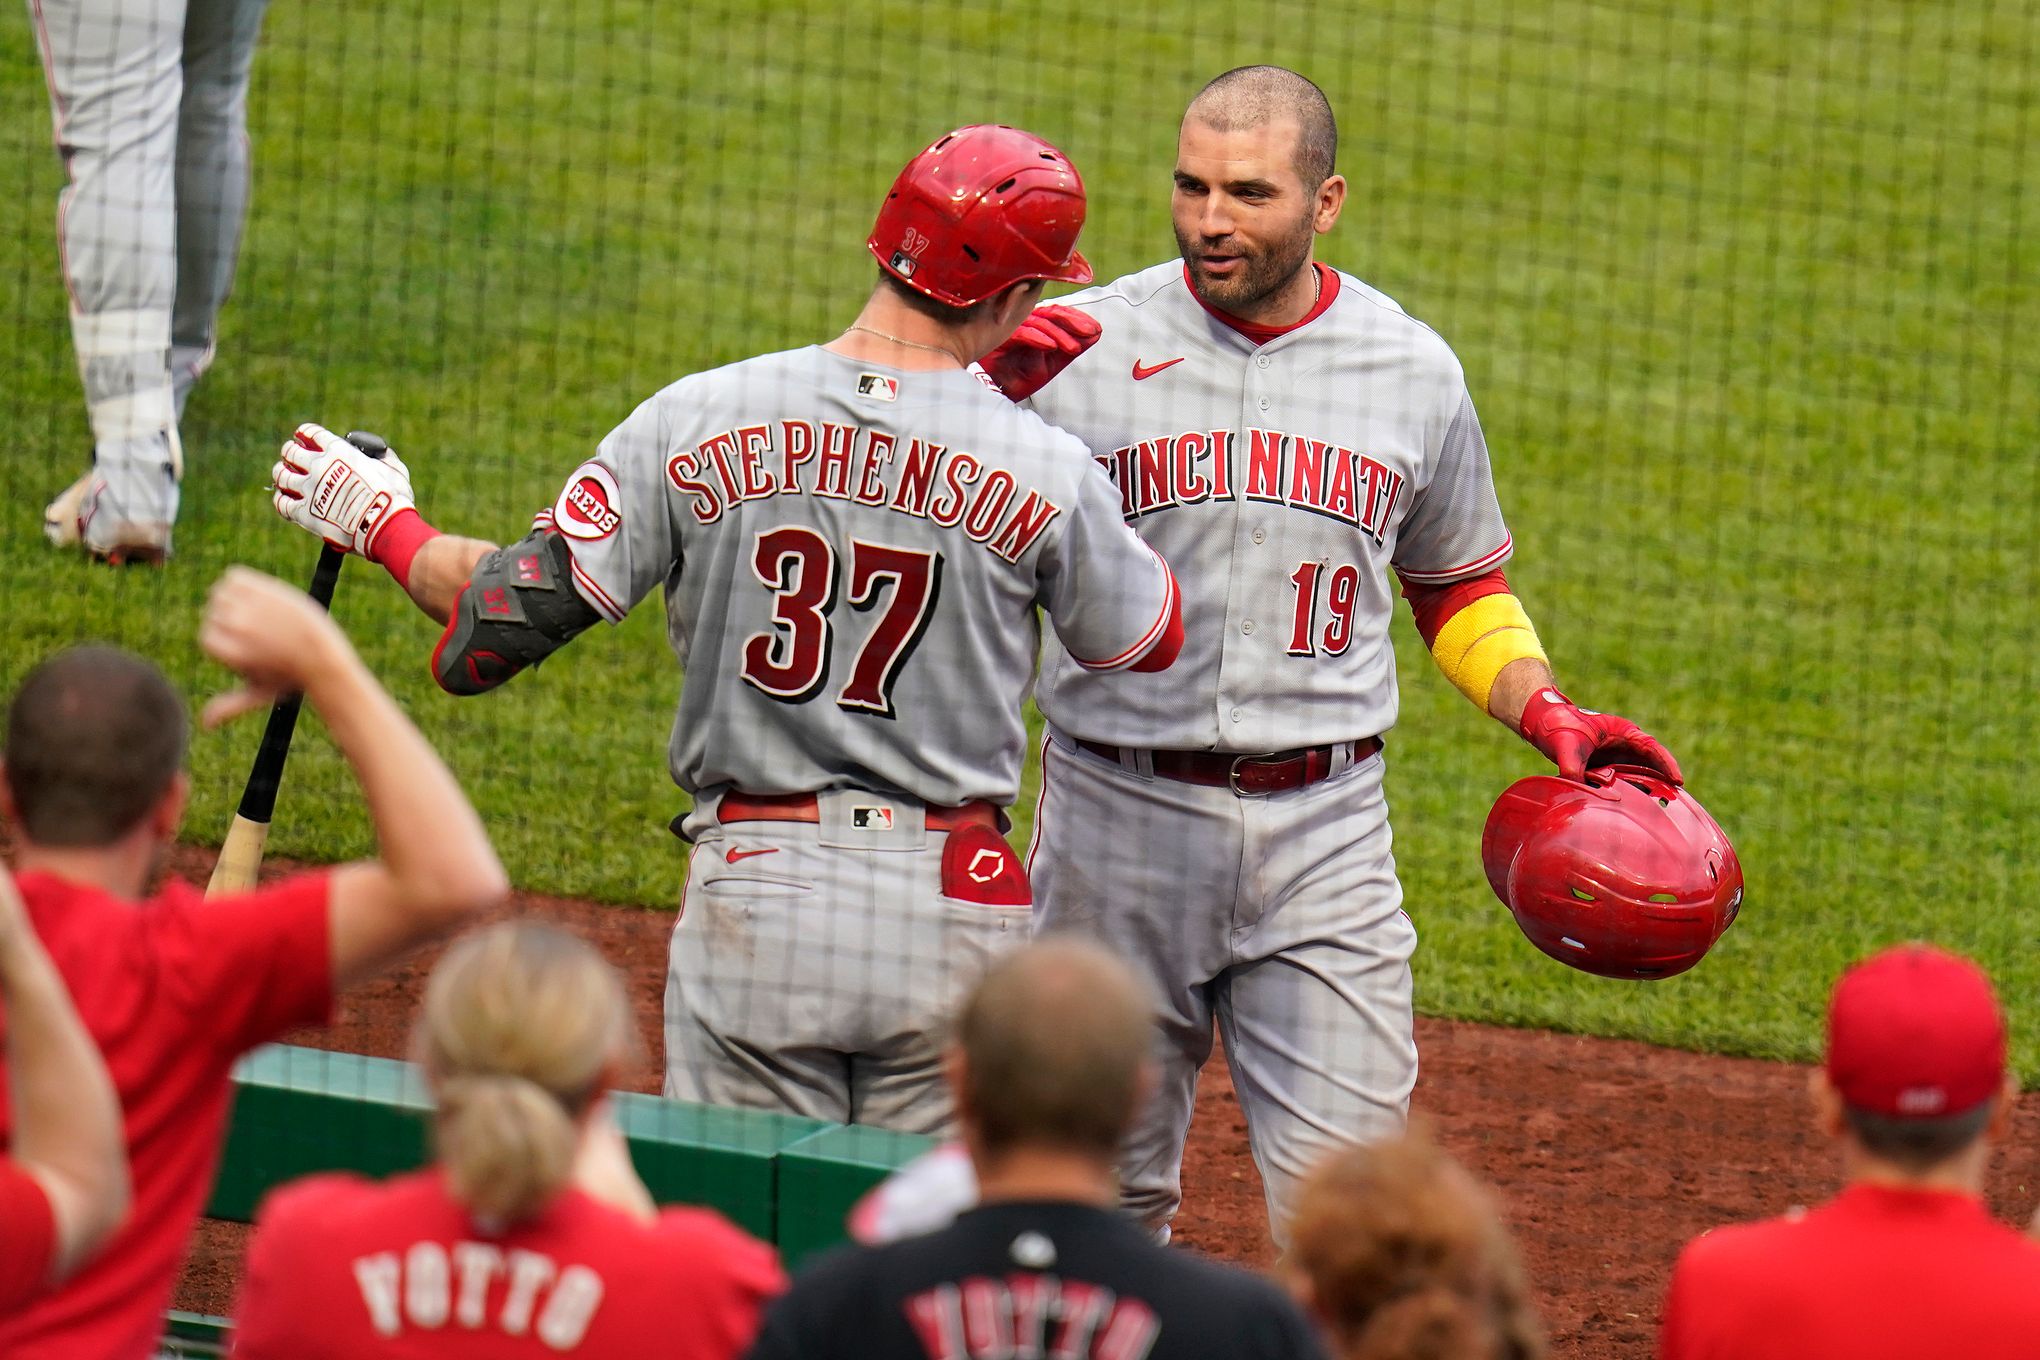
<point x="1110" y="595"/>
<point x="1454" y="528"/>
<point x="616" y="517"/>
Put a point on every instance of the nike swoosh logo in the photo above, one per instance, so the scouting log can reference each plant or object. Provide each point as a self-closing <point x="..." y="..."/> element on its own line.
<point x="1141" y="371"/>
<point x="733" y="854"/>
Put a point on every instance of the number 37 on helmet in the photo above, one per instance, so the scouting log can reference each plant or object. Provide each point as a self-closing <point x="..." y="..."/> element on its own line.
<point x="1623" y="876"/>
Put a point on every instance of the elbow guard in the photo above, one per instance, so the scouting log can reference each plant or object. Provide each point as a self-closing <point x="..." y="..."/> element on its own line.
<point x="1479" y="640"/>
<point x="517" y="609"/>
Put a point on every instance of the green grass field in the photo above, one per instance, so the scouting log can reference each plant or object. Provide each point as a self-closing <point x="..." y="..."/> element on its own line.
<point x="1743" y="292"/>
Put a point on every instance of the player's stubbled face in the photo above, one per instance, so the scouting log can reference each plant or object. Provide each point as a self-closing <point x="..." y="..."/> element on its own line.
<point x="1244" y="220"/>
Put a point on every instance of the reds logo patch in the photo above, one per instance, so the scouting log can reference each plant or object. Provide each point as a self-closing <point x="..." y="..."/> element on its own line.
<point x="587" y="506"/>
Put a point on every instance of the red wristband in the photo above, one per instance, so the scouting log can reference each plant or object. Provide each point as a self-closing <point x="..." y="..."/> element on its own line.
<point x="397" y="543"/>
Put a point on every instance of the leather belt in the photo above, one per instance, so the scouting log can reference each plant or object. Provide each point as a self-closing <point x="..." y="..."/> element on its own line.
<point x="1277" y="772"/>
<point x="801" y="807"/>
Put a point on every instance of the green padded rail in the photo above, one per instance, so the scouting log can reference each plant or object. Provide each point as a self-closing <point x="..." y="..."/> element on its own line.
<point x="191" y="1336"/>
<point x="297" y="1111"/>
<point x="822" y="1175"/>
<point x="302" y="1110"/>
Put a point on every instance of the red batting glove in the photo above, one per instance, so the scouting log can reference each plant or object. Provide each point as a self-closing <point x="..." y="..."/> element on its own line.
<point x="1043" y="346"/>
<point x="1577" y="739"/>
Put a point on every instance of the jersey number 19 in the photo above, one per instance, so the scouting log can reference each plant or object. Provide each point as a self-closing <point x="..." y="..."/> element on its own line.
<point x="791" y="663"/>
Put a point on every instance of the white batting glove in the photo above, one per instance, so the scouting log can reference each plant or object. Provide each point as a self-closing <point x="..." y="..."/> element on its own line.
<point x="327" y="487"/>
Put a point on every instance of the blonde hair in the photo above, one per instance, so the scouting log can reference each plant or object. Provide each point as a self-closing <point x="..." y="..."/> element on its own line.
<point x="521" y="1023"/>
<point x="1407" y="1258"/>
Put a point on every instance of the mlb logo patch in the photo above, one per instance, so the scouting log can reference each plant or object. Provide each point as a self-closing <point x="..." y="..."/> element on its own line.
<point x="878" y="387"/>
<point x="871" y="818"/>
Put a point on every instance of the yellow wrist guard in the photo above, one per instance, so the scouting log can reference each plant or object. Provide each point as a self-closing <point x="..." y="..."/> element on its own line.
<point x="1477" y="642"/>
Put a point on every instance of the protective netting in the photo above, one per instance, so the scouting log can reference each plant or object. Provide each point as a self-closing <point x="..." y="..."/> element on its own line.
<point x="1742" y="293"/>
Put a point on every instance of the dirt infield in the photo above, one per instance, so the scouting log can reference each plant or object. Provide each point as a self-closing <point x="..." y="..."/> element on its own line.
<point x="1606" y="1155"/>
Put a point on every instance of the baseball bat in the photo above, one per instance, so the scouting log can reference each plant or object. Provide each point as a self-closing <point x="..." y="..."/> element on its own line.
<point x="241" y="852"/>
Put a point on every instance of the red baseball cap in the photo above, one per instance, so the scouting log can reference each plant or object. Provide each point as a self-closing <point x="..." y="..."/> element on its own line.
<point x="1915" y="1033"/>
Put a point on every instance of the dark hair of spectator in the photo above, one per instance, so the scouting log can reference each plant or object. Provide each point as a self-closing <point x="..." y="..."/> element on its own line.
<point x="1055" y="1039"/>
<point x="1918" y="1145"/>
<point x="94" y="738"/>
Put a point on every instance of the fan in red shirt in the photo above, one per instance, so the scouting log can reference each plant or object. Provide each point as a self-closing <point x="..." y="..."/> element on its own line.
<point x="533" y="1235"/>
<point x="175" y="988"/>
<point x="64" y="1182"/>
<point x="1906" y="1261"/>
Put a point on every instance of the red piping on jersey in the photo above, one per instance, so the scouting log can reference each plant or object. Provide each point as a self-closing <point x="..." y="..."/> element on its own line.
<point x="1170" y="644"/>
<point x="1164" y="637"/>
<point x="592" y="590"/>
<point x="1434" y="605"/>
<point x="1261" y="335"/>
<point x="1446" y="576"/>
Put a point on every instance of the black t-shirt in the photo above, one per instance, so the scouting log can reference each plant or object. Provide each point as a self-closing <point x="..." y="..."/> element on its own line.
<point x="1031" y="1281"/>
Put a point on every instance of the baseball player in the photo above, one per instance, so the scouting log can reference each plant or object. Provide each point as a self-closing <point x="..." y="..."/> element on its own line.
<point x="532" y="1234"/>
<point x="1284" y="434"/>
<point x="150" y="104"/>
<point x="853" y="538"/>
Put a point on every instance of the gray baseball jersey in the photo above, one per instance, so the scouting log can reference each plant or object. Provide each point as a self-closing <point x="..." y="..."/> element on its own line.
<point x="852" y="556"/>
<point x="1280" y="480"/>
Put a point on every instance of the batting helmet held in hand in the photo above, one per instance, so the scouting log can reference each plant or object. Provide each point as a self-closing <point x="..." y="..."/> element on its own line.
<point x="984" y="207"/>
<point x="1624" y="876"/>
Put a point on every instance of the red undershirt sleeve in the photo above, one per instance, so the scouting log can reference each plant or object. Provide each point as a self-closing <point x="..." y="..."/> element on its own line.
<point x="1434" y="605"/>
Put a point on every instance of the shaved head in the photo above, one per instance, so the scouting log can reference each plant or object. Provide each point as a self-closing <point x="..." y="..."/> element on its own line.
<point x="1054" y="1042"/>
<point x="1253" y="96"/>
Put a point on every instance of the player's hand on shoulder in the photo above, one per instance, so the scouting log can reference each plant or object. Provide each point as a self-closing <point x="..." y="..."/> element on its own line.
<point x="1578" y="739"/>
<point x="328" y="487"/>
<point x="1045" y="344"/>
<point x="270" y="634"/>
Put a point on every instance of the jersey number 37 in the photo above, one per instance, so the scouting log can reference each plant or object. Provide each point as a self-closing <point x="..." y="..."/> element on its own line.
<point x="791" y="663"/>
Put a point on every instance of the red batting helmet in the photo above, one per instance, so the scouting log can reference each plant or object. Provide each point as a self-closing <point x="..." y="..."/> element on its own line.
<point x="984" y="207"/>
<point x="1625" y="875"/>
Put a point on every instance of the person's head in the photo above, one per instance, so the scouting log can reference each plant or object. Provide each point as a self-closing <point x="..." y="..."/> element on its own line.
<point x="95" y="752"/>
<point x="1050" y="1053"/>
<point x="522" y="1028"/>
<point x="975" y="226"/>
<point x="1915" y="1079"/>
<point x="1401" y="1256"/>
<point x="1255" y="183"/>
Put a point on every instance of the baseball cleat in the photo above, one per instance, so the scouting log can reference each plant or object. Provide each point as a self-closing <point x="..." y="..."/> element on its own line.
<point x="60" y="516"/>
<point x="122" y="511"/>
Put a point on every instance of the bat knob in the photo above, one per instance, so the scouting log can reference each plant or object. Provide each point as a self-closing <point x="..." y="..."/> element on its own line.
<point x="374" y="445"/>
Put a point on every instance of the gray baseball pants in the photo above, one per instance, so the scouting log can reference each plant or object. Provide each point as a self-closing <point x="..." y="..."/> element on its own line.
<point x="1276" y="918"/>
<point x="815" y="968"/>
<point x="149" y="100"/>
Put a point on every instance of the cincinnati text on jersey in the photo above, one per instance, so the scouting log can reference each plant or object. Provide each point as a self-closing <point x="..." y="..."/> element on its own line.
<point x="851" y="463"/>
<point x="1284" y="469"/>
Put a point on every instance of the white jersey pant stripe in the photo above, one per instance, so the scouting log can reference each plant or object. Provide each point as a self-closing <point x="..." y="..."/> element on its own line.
<point x="1277" y="919"/>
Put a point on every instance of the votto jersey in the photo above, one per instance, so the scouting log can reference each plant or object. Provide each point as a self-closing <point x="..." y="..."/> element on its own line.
<point x="1282" y="476"/>
<point x="852" y="556"/>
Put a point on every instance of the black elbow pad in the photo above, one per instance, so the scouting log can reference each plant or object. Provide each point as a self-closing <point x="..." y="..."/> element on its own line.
<point x="517" y="609"/>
